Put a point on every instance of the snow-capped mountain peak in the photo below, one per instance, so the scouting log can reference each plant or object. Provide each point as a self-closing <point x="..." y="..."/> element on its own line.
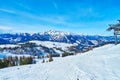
<point x="55" y="32"/>
<point x="54" y="36"/>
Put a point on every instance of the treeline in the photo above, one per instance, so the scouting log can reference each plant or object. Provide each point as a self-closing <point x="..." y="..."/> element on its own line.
<point x="15" y="61"/>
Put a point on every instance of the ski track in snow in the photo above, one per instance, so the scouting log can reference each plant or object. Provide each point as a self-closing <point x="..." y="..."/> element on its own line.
<point x="101" y="63"/>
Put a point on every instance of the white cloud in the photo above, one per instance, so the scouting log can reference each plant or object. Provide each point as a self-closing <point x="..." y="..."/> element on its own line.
<point x="8" y="11"/>
<point x="25" y="28"/>
<point x="5" y="28"/>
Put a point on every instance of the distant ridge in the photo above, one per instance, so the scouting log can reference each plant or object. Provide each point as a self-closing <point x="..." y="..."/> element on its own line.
<point x="54" y="36"/>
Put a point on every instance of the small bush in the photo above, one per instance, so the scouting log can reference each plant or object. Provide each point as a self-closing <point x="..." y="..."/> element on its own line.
<point x="65" y="54"/>
<point x="71" y="53"/>
<point x="55" y="55"/>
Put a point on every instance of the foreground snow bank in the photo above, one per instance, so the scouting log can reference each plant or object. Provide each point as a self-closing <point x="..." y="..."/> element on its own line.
<point x="99" y="64"/>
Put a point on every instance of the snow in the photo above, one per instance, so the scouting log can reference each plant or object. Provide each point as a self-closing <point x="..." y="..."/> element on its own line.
<point x="54" y="32"/>
<point x="94" y="41"/>
<point x="101" y="63"/>
<point x="7" y="54"/>
<point x="8" y="45"/>
<point x="50" y="44"/>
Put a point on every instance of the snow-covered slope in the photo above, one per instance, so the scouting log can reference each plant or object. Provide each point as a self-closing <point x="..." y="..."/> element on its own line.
<point x="50" y="44"/>
<point x="37" y="48"/>
<point x="8" y="45"/>
<point x="99" y="64"/>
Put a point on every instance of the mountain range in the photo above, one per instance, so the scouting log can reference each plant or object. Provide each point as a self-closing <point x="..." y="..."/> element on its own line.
<point x="54" y="36"/>
<point x="55" y="41"/>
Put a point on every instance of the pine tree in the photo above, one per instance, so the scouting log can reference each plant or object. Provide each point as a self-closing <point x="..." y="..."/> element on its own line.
<point x="21" y="61"/>
<point x="5" y="62"/>
<point x="10" y="61"/>
<point x="16" y="61"/>
<point x="26" y="60"/>
<point x="1" y="64"/>
<point x="50" y="58"/>
<point x="30" y="60"/>
<point x="43" y="61"/>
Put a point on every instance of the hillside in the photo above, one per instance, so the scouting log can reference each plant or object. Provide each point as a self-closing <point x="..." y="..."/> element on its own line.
<point x="55" y="42"/>
<point x="101" y="63"/>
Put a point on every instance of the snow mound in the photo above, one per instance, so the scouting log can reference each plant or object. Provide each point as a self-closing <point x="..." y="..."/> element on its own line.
<point x="98" y="64"/>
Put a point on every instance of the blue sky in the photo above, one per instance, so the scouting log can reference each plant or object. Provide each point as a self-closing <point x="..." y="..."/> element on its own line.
<point x="76" y="16"/>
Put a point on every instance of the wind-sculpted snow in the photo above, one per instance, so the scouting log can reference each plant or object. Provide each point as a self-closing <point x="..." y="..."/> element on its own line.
<point x="101" y="63"/>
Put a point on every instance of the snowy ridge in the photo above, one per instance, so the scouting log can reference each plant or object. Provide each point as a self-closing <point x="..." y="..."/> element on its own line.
<point x="53" y="32"/>
<point x="102" y="63"/>
<point x="8" y="45"/>
<point x="52" y="35"/>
